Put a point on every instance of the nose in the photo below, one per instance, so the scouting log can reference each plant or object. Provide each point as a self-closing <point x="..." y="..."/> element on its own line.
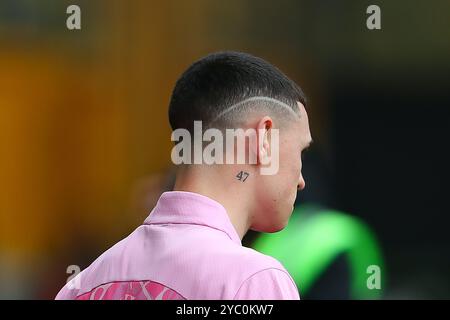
<point x="301" y="183"/>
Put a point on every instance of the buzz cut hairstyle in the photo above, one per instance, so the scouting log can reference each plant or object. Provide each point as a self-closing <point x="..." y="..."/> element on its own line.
<point x="222" y="88"/>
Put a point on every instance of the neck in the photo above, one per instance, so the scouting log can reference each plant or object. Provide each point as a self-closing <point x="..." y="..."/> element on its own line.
<point x="218" y="185"/>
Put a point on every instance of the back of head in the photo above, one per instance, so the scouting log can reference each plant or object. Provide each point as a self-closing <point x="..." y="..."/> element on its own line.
<point x="219" y="87"/>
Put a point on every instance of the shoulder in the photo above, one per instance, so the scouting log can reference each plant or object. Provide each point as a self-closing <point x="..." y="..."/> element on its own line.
<point x="268" y="284"/>
<point x="257" y="261"/>
<point x="243" y="260"/>
<point x="244" y="273"/>
<point x="259" y="276"/>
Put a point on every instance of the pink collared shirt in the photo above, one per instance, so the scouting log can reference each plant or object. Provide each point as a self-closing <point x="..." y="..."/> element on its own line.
<point x="186" y="249"/>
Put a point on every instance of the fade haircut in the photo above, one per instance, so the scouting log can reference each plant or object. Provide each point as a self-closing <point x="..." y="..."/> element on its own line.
<point x="222" y="87"/>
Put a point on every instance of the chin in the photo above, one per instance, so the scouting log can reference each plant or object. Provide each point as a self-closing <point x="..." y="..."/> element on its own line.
<point x="282" y="225"/>
<point x="278" y="225"/>
<point x="271" y="227"/>
<point x="276" y="220"/>
<point x="279" y="228"/>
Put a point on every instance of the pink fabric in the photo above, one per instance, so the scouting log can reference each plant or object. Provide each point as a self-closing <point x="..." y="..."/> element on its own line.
<point x="186" y="249"/>
<point x="134" y="290"/>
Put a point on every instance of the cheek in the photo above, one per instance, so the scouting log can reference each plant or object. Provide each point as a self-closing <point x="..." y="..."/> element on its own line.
<point x="295" y="166"/>
<point x="290" y="166"/>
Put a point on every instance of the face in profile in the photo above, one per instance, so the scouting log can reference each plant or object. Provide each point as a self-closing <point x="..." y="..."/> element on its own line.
<point x="276" y="193"/>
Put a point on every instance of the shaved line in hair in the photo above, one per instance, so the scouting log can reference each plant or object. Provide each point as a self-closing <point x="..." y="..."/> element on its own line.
<point x="253" y="99"/>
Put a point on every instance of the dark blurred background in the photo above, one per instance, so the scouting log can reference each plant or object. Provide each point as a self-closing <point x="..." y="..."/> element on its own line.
<point x="85" y="141"/>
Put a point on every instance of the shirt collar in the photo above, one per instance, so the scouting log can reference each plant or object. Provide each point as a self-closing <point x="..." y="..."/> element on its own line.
<point x="192" y="208"/>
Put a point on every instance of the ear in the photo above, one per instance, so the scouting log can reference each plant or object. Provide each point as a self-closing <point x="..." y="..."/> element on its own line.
<point x="262" y="133"/>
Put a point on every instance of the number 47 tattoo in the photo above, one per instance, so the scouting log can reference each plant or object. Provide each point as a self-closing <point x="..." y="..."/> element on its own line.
<point x="242" y="176"/>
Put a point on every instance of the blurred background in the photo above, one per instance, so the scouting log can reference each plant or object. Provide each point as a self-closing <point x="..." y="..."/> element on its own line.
<point x="85" y="140"/>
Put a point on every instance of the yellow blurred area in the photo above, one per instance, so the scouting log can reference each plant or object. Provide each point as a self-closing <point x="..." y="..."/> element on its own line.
<point x="77" y="130"/>
<point x="84" y="133"/>
<point x="59" y="144"/>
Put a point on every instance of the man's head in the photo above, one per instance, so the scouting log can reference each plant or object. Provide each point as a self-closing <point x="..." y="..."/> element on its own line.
<point x="231" y="90"/>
